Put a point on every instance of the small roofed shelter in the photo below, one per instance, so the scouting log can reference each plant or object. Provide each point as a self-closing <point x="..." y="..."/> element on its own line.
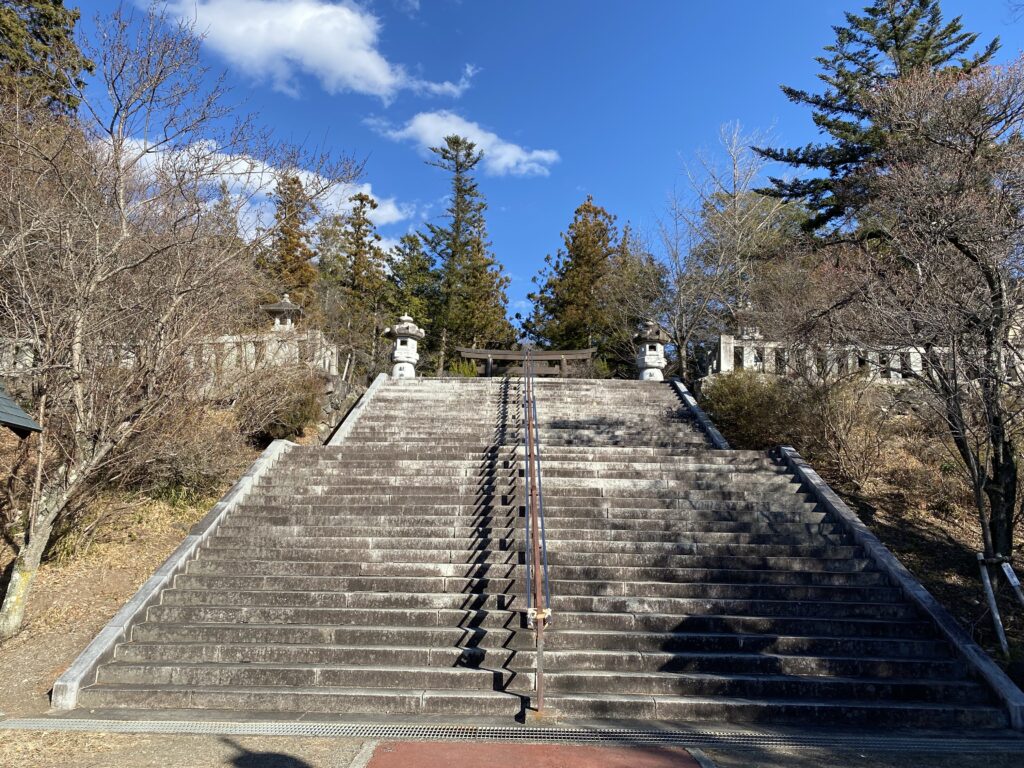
<point x="14" y="418"/>
<point x="285" y="312"/>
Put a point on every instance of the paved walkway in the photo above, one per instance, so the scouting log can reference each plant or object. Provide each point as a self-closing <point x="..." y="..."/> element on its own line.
<point x="451" y="754"/>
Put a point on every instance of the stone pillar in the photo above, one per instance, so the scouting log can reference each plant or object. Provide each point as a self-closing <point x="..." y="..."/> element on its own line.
<point x="650" y="354"/>
<point x="725" y="345"/>
<point x="406" y="335"/>
<point x="915" y="362"/>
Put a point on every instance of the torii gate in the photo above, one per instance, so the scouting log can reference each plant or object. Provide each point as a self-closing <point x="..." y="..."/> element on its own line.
<point x="547" y="363"/>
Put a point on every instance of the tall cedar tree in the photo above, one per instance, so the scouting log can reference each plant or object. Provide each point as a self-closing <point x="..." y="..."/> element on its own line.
<point x="354" y="285"/>
<point x="289" y="260"/>
<point x="568" y="309"/>
<point x="40" y="64"/>
<point x="471" y="306"/>
<point x="889" y="40"/>
<point x="414" y="280"/>
<point x="634" y="291"/>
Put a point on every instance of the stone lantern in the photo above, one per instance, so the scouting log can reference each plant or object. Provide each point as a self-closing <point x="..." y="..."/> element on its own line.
<point x="650" y="355"/>
<point x="406" y="335"/>
<point x="284" y="312"/>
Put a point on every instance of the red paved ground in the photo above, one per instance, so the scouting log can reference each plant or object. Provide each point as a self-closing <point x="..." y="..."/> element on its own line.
<point x="457" y="754"/>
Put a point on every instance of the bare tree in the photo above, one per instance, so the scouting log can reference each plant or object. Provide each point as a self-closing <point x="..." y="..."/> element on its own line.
<point x="940" y="277"/>
<point x="115" y="260"/>
<point x="711" y="245"/>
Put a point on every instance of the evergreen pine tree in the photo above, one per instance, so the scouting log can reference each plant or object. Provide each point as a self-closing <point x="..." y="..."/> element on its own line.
<point x="889" y="39"/>
<point x="354" y="287"/>
<point x="289" y="260"/>
<point x="568" y="310"/>
<point x="414" y="280"/>
<point x="40" y="64"/>
<point x="471" y="307"/>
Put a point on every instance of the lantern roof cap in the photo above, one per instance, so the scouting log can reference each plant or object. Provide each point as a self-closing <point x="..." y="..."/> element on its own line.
<point x="651" y="331"/>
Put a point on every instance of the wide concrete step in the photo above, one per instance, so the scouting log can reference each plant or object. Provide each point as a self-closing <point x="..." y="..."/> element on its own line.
<point x="356" y="555"/>
<point x="312" y="599"/>
<point x="690" y="709"/>
<point x="559" y="603"/>
<point x="745" y="663"/>
<point x="681" y="482"/>
<point x="331" y="549"/>
<point x="363" y="486"/>
<point x="314" y="700"/>
<point x="584" y="509"/>
<point x="305" y="675"/>
<point x="335" y="617"/>
<point x="701" y="640"/>
<point x="514" y="554"/>
<point x="244" y="653"/>
<point x="729" y="591"/>
<point x="610" y="578"/>
<point x="400" y="495"/>
<point x="432" y="578"/>
<point x="697" y="455"/>
<point x="566" y="620"/>
<point x="554" y="661"/>
<point x="345" y="473"/>
<point x="512" y="459"/>
<point x="778" y="686"/>
<point x="469" y="513"/>
<point x="289" y="535"/>
<point x="307" y="634"/>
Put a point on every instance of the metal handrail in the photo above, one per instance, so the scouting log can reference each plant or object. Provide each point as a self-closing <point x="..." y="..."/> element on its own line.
<point x="538" y="589"/>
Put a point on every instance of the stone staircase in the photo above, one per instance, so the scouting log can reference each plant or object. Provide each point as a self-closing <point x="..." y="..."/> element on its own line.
<point x="689" y="584"/>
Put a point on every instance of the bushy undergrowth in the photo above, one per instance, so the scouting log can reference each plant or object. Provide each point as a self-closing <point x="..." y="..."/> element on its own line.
<point x="463" y="368"/>
<point x="754" y="411"/>
<point x="280" y="406"/>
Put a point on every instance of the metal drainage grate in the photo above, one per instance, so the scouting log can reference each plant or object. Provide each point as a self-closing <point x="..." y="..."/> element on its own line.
<point x="695" y="738"/>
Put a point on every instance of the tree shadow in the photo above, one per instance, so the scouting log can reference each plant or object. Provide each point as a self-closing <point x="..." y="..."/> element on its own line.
<point x="248" y="759"/>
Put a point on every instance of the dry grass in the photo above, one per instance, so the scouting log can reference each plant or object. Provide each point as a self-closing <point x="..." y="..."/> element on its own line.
<point x="920" y="507"/>
<point x="75" y="594"/>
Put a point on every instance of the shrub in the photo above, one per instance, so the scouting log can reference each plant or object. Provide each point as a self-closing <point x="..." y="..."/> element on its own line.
<point x="463" y="368"/>
<point x="279" y="403"/>
<point x="753" y="410"/>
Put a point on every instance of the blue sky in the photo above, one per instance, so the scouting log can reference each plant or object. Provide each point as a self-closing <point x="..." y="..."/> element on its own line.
<point x="568" y="97"/>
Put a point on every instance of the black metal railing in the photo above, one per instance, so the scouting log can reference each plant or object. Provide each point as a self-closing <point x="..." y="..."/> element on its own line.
<point x="538" y="590"/>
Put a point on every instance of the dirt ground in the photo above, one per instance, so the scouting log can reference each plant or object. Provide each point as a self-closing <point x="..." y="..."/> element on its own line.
<point x="46" y="749"/>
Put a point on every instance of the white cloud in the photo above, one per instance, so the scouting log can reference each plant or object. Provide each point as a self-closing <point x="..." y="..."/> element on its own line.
<point x="501" y="157"/>
<point x="336" y="42"/>
<point x="389" y="210"/>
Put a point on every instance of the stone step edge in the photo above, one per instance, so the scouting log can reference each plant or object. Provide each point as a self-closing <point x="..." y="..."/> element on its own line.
<point x="961" y="644"/>
<point x="83" y="669"/>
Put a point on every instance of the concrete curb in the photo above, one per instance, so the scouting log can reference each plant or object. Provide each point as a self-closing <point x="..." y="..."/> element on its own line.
<point x="705" y="424"/>
<point x="83" y="671"/>
<point x="352" y="418"/>
<point x="976" y="659"/>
